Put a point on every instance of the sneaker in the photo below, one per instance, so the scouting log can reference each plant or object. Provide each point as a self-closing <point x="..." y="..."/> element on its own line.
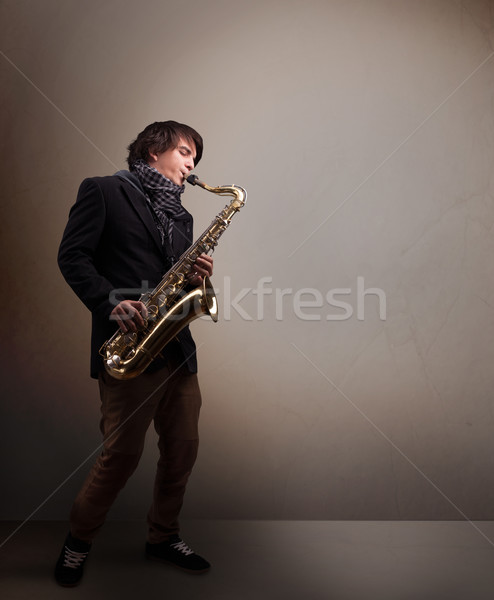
<point x="176" y="552"/>
<point x="70" y="564"/>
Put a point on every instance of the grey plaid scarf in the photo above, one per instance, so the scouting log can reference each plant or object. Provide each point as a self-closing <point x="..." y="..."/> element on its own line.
<point x="164" y="197"/>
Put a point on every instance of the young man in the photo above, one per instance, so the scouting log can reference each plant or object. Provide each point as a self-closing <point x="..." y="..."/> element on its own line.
<point x="123" y="234"/>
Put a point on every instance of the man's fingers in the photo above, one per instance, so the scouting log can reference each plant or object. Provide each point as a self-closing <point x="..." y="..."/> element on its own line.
<point x="204" y="265"/>
<point x="129" y="314"/>
<point x="141" y="307"/>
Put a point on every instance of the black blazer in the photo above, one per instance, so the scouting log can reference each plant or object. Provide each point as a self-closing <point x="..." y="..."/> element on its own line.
<point x="111" y="250"/>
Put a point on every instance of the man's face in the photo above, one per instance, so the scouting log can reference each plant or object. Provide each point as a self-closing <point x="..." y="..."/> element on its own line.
<point x="175" y="163"/>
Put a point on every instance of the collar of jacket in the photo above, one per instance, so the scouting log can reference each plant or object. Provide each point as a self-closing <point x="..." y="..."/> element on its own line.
<point x="144" y="211"/>
<point x="135" y="182"/>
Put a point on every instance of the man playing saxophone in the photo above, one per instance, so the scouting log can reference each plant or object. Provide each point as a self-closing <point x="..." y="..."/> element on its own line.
<point x="123" y="233"/>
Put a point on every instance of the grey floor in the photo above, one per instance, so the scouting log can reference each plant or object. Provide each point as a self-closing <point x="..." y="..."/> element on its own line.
<point x="264" y="560"/>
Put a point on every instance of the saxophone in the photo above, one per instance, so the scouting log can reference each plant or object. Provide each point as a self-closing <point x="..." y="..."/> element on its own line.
<point x="170" y="308"/>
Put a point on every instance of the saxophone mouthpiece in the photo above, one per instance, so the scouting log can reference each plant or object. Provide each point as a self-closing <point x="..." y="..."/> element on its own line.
<point x="192" y="179"/>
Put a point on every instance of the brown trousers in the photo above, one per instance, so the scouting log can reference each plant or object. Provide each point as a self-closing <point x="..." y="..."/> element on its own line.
<point x="171" y="398"/>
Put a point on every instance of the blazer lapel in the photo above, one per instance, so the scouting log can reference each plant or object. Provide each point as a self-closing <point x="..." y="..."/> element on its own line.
<point x="139" y="203"/>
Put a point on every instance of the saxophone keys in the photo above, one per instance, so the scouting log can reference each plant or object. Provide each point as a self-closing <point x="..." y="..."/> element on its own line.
<point x="162" y="304"/>
<point x="130" y="338"/>
<point x="153" y="311"/>
<point x="114" y="361"/>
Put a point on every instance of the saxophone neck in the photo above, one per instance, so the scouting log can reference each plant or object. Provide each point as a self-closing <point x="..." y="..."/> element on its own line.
<point x="239" y="194"/>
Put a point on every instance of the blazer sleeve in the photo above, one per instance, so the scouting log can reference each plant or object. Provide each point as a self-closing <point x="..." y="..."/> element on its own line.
<point x="77" y="255"/>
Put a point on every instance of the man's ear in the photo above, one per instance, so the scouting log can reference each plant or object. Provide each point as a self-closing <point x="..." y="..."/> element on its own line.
<point x="153" y="155"/>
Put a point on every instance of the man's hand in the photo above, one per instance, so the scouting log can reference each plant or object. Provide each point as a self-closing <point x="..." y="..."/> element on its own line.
<point x="203" y="267"/>
<point x="130" y="315"/>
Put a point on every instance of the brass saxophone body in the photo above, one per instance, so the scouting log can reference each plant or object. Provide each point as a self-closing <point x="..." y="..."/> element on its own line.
<point x="170" y="308"/>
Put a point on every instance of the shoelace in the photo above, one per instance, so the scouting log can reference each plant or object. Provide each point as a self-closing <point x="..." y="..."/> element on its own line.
<point x="182" y="547"/>
<point x="72" y="559"/>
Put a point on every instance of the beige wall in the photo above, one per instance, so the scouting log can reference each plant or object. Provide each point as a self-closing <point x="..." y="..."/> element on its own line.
<point x="363" y="132"/>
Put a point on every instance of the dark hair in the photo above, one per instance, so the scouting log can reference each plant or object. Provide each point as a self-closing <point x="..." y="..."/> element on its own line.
<point x="159" y="137"/>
